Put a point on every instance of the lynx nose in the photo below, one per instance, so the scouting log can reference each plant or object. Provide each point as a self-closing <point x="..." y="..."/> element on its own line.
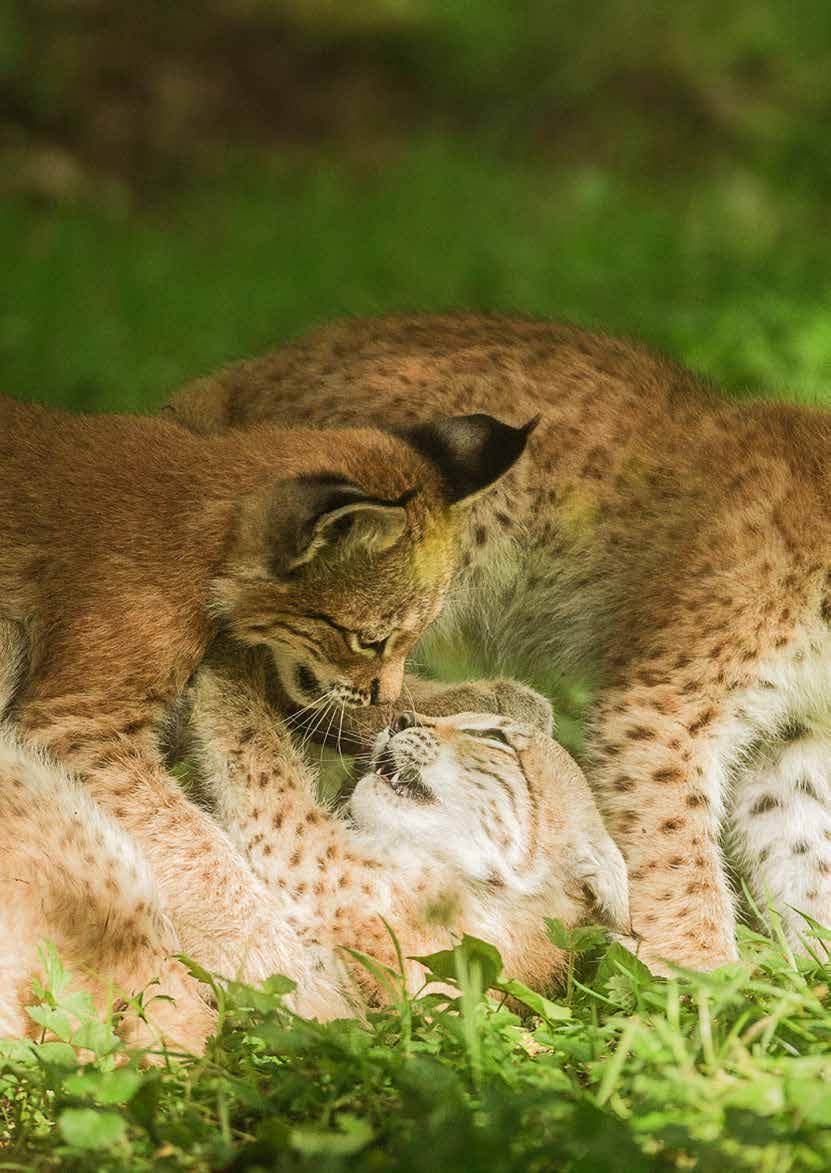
<point x="405" y="721"/>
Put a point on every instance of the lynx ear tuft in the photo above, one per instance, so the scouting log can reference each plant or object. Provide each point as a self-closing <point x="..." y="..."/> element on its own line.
<point x="472" y="452"/>
<point x="310" y="515"/>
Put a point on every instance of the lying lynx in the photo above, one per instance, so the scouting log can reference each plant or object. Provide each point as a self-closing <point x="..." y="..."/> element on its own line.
<point x="474" y="821"/>
<point x="126" y="545"/>
<point x="472" y="824"/>
<point x="676" y="543"/>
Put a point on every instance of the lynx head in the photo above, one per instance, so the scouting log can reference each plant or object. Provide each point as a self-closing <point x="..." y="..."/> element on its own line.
<point x="501" y="802"/>
<point x="339" y="569"/>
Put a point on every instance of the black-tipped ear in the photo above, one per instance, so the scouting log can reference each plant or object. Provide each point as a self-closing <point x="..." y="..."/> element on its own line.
<point x="472" y="452"/>
<point x="312" y="514"/>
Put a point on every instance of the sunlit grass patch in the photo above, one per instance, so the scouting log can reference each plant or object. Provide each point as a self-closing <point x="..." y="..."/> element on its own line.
<point x="730" y="1070"/>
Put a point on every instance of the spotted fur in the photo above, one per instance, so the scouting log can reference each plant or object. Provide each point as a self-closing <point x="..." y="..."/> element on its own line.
<point x="495" y="829"/>
<point x="127" y="546"/>
<point x="675" y="544"/>
<point x="471" y="823"/>
<point x="72" y="877"/>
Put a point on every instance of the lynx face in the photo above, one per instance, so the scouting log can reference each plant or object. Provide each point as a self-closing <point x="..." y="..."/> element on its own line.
<point x="339" y="574"/>
<point x="503" y="803"/>
<point x="349" y="630"/>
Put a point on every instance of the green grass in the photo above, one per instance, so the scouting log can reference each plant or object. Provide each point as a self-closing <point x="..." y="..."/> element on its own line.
<point x="728" y="1071"/>
<point x="101" y="310"/>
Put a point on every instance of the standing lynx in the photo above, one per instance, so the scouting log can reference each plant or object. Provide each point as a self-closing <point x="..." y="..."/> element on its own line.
<point x="677" y="543"/>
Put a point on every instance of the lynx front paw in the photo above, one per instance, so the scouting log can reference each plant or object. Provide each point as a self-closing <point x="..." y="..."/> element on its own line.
<point x="511" y="699"/>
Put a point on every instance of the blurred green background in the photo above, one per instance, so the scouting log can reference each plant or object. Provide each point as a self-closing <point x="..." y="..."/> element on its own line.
<point x="182" y="184"/>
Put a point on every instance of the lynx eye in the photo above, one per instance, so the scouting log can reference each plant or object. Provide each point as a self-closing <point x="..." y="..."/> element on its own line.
<point x="365" y="646"/>
<point x="356" y="641"/>
<point x="489" y="735"/>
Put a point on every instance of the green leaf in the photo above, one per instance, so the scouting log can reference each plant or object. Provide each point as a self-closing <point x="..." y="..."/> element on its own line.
<point x="196" y="970"/>
<point x="575" y="940"/>
<point x="278" y="983"/>
<point x="58" y="1055"/>
<point x="53" y="1019"/>
<point x="817" y="931"/>
<point x="355" y="1135"/>
<point x="20" y="1052"/>
<point x="386" y="977"/>
<point x="106" y="1087"/>
<point x="469" y="954"/>
<point x="84" y="1128"/>
<point x="619" y="962"/>
<point x="534" y="1001"/>
<point x="98" y="1037"/>
<point x="57" y="979"/>
<point x="78" y="1003"/>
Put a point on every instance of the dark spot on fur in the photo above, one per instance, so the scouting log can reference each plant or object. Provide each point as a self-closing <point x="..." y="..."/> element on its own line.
<point x="800" y="847"/>
<point x="768" y="802"/>
<point x="805" y="786"/>
<point x="792" y="731"/>
<point x="480" y="535"/>
<point x="640" y="733"/>
<point x="668" y="774"/>
<point x="702" y="720"/>
<point x="670" y="825"/>
<point x="697" y="800"/>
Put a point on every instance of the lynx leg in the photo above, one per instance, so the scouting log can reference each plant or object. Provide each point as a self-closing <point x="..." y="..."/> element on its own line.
<point x="659" y="776"/>
<point x="72" y="877"/>
<point x="225" y="918"/>
<point x="781" y="830"/>
<point x="264" y="795"/>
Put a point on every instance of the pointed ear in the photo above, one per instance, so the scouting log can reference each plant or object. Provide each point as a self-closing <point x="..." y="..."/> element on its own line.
<point x="311" y="515"/>
<point x="472" y="452"/>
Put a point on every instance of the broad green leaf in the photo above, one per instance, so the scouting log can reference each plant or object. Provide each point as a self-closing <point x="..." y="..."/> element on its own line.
<point x="53" y="1019"/>
<point x="98" y="1037"/>
<point x="534" y="1001"/>
<point x="278" y="983"/>
<point x="58" y="1054"/>
<point x="20" y="1052"/>
<point x="470" y="952"/>
<point x="84" y="1128"/>
<point x="143" y="1106"/>
<point x="106" y="1087"/>
<point x="619" y="962"/>
<point x="78" y="1003"/>
<point x="354" y="1135"/>
<point x="575" y="940"/>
